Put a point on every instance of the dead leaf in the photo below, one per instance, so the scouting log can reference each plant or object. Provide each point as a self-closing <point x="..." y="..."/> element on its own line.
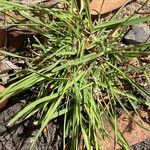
<point x="6" y="65"/>
<point x="105" y="6"/>
<point x="15" y="41"/>
<point x="13" y="38"/>
<point x="3" y="35"/>
<point x="132" y="132"/>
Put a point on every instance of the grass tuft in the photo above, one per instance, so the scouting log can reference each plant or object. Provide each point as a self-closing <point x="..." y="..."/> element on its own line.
<point x="80" y="70"/>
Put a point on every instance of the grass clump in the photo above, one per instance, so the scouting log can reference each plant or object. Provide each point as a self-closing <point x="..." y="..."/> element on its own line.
<point x="80" y="68"/>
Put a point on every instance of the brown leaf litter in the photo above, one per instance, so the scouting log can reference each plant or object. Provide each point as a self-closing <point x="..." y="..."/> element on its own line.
<point x="130" y="128"/>
<point x="105" y="6"/>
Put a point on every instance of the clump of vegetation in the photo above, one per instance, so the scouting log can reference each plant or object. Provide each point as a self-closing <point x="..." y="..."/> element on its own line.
<point x="81" y="69"/>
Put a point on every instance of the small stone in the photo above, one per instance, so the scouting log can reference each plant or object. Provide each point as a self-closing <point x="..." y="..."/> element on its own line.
<point x="138" y="34"/>
<point x="2" y="130"/>
<point x="7" y="137"/>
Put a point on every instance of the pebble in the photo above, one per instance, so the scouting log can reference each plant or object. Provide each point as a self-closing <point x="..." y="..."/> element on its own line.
<point x="138" y="34"/>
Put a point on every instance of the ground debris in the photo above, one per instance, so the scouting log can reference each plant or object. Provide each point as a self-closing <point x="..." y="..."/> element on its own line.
<point x="128" y="126"/>
<point x="138" y="34"/>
